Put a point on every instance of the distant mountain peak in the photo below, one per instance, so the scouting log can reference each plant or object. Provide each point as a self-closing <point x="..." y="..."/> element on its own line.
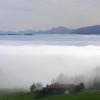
<point x="59" y="30"/>
<point x="88" y="30"/>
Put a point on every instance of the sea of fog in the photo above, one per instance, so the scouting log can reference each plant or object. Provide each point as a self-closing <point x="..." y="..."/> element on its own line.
<point x="40" y="58"/>
<point x="51" y="39"/>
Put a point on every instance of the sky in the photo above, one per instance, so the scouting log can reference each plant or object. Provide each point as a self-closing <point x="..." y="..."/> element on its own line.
<point x="16" y="15"/>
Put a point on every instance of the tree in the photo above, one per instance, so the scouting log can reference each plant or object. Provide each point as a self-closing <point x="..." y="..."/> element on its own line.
<point x="79" y="87"/>
<point x="38" y="86"/>
<point x="96" y="83"/>
<point x="32" y="88"/>
<point x="35" y="87"/>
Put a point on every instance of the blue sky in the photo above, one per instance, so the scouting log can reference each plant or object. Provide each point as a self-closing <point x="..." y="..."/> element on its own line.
<point x="43" y="14"/>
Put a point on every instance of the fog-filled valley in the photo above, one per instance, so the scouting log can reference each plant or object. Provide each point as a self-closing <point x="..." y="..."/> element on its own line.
<point x="43" y="58"/>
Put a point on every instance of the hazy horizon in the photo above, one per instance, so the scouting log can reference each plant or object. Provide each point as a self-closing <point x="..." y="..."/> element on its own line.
<point x="19" y="15"/>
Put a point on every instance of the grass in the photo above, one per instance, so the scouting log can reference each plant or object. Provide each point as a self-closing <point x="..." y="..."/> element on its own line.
<point x="86" y="95"/>
<point x="15" y="96"/>
<point x="78" y="96"/>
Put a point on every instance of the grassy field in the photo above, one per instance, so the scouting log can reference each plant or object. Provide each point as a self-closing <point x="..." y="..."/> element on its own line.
<point x="89" y="95"/>
<point x="15" y="96"/>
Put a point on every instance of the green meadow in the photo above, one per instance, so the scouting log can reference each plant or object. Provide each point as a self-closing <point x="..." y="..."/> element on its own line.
<point x="86" y="95"/>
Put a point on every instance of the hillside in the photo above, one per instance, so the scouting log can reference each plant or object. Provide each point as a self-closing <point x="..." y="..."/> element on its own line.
<point x="94" y="30"/>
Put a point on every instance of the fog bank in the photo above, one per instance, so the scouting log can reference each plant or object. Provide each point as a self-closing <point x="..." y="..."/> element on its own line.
<point x="20" y="66"/>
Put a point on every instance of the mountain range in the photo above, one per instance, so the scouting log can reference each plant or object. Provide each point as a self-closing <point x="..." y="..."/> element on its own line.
<point x="89" y="30"/>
